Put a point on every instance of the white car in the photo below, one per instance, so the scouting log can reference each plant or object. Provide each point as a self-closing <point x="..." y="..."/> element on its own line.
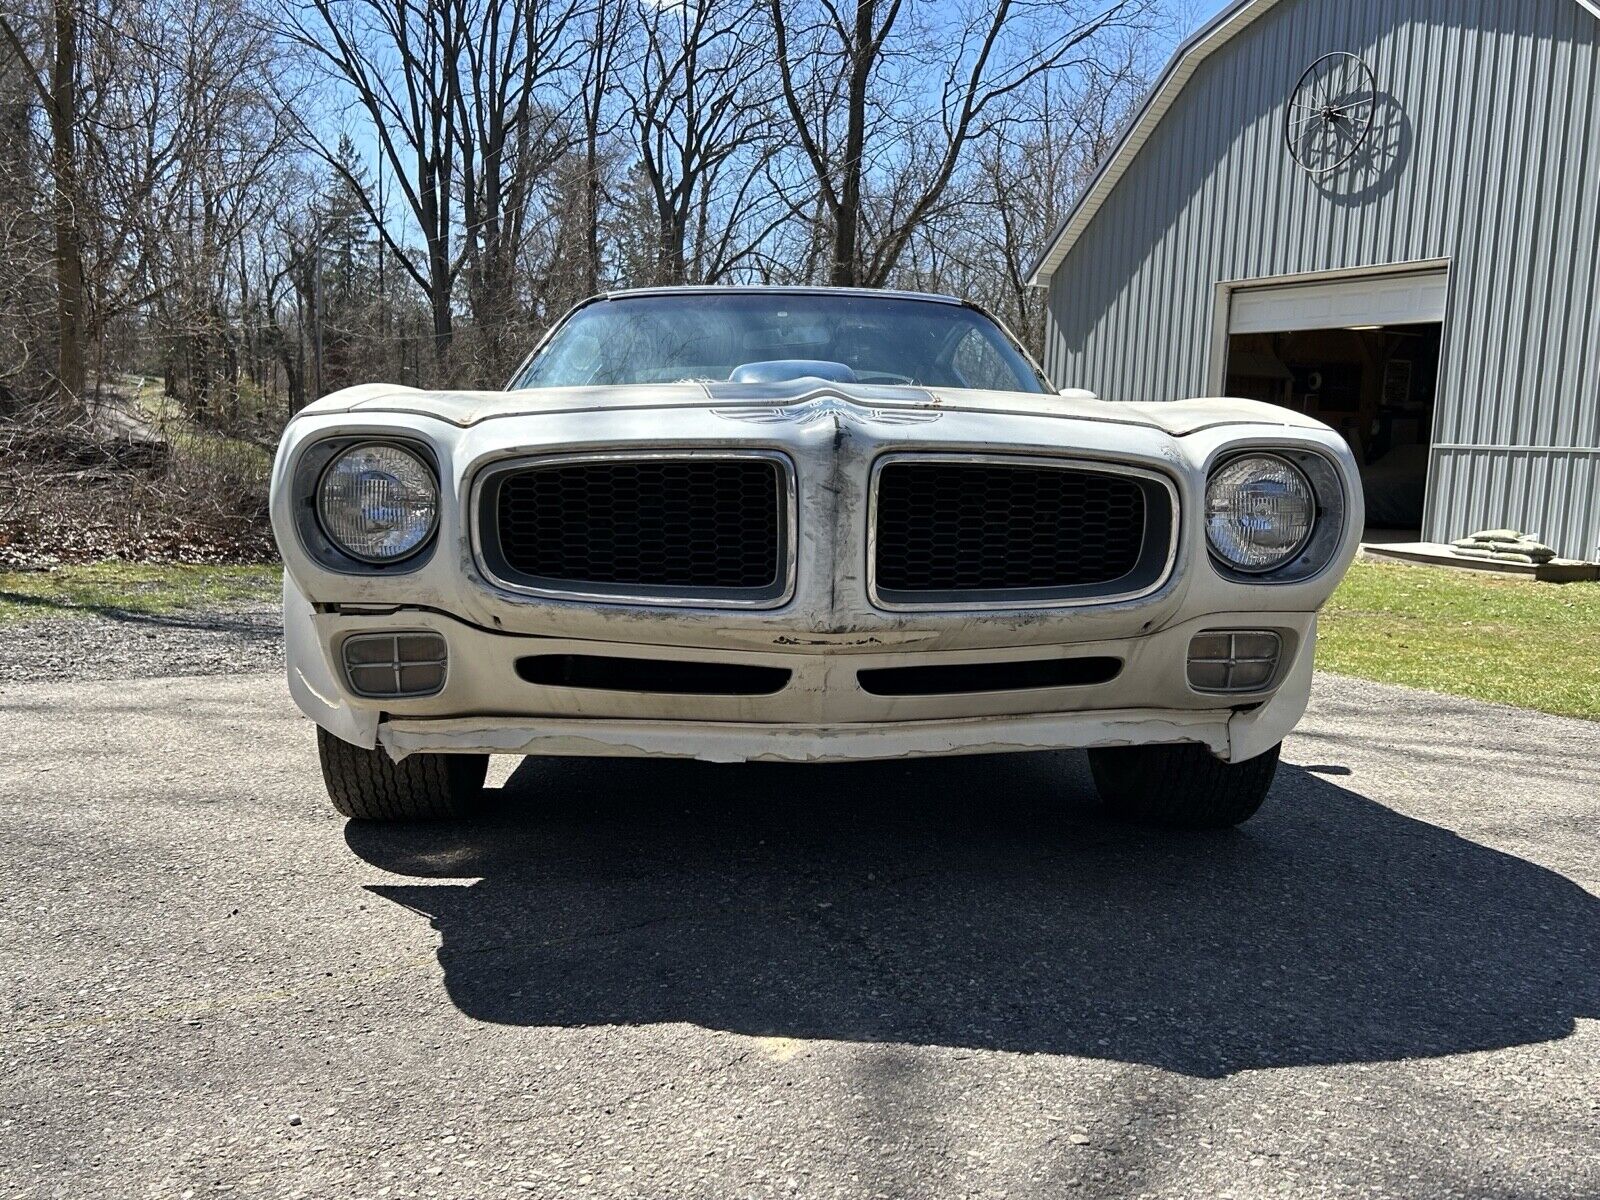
<point x="803" y="525"/>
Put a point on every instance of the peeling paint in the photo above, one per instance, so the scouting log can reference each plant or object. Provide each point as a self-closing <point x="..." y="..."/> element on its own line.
<point x="830" y="629"/>
<point x="787" y="640"/>
<point x="727" y="742"/>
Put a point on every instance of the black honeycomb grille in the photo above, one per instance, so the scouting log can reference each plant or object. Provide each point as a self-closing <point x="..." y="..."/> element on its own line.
<point x="701" y="524"/>
<point x="951" y="527"/>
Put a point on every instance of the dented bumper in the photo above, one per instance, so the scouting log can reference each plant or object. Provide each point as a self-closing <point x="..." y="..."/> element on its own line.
<point x="826" y="635"/>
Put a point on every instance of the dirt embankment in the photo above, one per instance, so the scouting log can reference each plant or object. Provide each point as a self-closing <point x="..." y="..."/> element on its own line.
<point x="114" y="484"/>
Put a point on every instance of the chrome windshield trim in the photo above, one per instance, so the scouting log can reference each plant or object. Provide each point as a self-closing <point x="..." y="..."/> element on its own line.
<point x="996" y="601"/>
<point x="788" y="530"/>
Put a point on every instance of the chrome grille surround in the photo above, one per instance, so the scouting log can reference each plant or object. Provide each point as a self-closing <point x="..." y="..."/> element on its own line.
<point x="491" y="561"/>
<point x="1156" y="561"/>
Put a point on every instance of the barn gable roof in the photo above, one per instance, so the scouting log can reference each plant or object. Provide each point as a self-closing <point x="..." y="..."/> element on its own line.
<point x="1201" y="45"/>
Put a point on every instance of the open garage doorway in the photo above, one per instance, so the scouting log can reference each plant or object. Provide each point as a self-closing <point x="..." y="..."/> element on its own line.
<point x="1361" y="355"/>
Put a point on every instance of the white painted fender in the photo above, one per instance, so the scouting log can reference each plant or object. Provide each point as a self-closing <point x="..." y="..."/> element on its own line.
<point x="311" y="680"/>
<point x="1252" y="734"/>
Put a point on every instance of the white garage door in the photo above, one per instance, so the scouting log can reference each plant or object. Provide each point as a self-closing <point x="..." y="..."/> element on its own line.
<point x="1373" y="300"/>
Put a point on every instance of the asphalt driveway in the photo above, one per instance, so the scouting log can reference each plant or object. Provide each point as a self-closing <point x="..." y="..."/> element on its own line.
<point x="935" y="979"/>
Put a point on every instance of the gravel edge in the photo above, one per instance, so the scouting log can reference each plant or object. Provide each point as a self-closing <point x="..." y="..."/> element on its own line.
<point x="89" y="646"/>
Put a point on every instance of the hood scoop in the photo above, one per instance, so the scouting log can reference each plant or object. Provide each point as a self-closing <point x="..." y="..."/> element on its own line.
<point x="793" y="391"/>
<point x="779" y="370"/>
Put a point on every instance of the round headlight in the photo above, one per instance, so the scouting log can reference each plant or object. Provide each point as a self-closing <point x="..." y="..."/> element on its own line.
<point x="378" y="503"/>
<point x="1260" y="511"/>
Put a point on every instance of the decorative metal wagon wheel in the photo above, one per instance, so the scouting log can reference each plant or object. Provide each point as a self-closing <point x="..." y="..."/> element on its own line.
<point x="1331" y="113"/>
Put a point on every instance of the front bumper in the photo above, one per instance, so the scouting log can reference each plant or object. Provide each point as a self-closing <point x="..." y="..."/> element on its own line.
<point x="824" y="634"/>
<point x="728" y="742"/>
<point x="823" y="713"/>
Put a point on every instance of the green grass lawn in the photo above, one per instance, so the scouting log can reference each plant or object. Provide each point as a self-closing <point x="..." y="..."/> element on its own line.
<point x="1492" y="637"/>
<point x="131" y="587"/>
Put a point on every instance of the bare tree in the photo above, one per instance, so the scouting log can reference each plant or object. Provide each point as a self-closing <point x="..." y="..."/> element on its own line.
<point x="50" y="61"/>
<point x="27" y="310"/>
<point x="159" y="129"/>
<point x="402" y="61"/>
<point x="509" y="133"/>
<point x="182" y="146"/>
<point x="455" y="92"/>
<point x="881" y="142"/>
<point x="512" y="155"/>
<point x="701" y="123"/>
<point x="1021" y="181"/>
<point x="607" y="34"/>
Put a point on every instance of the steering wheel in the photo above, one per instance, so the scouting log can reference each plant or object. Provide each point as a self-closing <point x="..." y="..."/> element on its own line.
<point x="882" y="377"/>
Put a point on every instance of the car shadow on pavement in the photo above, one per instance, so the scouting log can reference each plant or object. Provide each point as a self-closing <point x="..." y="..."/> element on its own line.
<point x="980" y="903"/>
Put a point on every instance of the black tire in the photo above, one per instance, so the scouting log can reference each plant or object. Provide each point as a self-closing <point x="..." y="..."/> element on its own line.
<point x="1182" y="786"/>
<point x="368" y="785"/>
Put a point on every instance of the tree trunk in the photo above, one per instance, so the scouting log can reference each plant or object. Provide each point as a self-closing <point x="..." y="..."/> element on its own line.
<point x="436" y="232"/>
<point x="593" y="98"/>
<point x="846" y="269"/>
<point x="70" y="372"/>
<point x="591" y="210"/>
<point x="672" y="233"/>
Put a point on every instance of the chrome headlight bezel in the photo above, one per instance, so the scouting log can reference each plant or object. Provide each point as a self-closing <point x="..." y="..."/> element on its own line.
<point x="1330" y="505"/>
<point x="311" y="471"/>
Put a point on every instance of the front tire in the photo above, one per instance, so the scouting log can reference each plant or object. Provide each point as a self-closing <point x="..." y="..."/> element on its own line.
<point x="368" y="785"/>
<point x="1180" y="786"/>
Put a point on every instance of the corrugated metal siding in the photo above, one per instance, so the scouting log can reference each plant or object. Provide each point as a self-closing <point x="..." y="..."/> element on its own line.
<point x="1552" y="493"/>
<point x="1488" y="154"/>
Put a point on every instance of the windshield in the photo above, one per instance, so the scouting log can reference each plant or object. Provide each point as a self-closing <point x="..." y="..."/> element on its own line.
<point x="704" y="337"/>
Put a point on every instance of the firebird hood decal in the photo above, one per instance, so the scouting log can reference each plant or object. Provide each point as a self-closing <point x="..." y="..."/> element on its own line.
<point x="819" y="408"/>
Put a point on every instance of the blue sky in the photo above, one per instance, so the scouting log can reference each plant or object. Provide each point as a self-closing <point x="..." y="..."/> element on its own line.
<point x="1204" y="10"/>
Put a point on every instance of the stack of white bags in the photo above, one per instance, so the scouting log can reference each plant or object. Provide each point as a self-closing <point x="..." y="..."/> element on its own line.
<point x="1505" y="545"/>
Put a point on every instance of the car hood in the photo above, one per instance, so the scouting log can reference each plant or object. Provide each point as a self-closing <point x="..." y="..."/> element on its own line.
<point x="467" y="408"/>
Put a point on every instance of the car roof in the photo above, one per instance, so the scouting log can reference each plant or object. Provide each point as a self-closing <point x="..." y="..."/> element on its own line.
<point x="779" y="289"/>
